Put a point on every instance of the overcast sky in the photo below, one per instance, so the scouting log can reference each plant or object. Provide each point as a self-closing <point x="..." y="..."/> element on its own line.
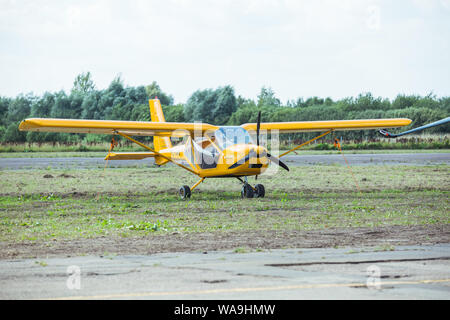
<point x="298" y="48"/>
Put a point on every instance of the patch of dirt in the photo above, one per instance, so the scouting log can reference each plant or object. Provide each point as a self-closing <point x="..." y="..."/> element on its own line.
<point x="64" y="175"/>
<point x="204" y="242"/>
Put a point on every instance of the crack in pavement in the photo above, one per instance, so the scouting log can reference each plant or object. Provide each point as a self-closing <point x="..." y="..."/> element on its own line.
<point x="352" y="262"/>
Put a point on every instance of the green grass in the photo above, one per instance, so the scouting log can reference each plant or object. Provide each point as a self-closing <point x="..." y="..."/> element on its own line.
<point x="140" y="202"/>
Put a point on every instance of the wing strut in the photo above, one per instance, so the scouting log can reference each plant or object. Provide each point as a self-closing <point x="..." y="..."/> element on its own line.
<point x="307" y="142"/>
<point x="157" y="153"/>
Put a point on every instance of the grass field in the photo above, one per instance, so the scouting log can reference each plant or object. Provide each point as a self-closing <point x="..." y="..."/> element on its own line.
<point x="136" y="202"/>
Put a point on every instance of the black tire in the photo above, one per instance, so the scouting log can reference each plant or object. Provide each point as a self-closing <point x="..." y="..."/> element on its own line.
<point x="260" y="191"/>
<point x="185" y="192"/>
<point x="247" y="191"/>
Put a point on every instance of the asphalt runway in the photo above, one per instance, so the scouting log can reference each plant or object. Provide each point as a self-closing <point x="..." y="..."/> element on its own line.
<point x="404" y="272"/>
<point x="292" y="160"/>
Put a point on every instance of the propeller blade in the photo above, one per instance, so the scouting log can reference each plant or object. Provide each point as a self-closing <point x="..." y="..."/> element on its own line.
<point x="277" y="161"/>
<point x="252" y="153"/>
<point x="258" y="125"/>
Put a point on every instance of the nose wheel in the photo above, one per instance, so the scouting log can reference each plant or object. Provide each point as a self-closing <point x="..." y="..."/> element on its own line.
<point x="185" y="192"/>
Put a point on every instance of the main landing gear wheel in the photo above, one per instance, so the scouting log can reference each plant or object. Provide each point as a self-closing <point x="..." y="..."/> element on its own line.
<point x="185" y="192"/>
<point x="247" y="191"/>
<point x="260" y="191"/>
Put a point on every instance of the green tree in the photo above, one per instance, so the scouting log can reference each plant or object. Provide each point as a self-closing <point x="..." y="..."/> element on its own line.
<point x="19" y="108"/>
<point x="12" y="133"/>
<point x="4" y="105"/>
<point x="267" y="98"/>
<point x="314" y="101"/>
<point x="67" y="107"/>
<point x="225" y="105"/>
<point x="248" y="113"/>
<point x="98" y="104"/>
<point x="83" y="83"/>
<point x="42" y="106"/>
<point x="402" y="101"/>
<point x="212" y="106"/>
<point x="174" y="113"/>
<point x="90" y="108"/>
<point x="153" y="90"/>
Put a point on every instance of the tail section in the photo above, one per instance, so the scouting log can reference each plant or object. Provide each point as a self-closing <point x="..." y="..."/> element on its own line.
<point x="159" y="143"/>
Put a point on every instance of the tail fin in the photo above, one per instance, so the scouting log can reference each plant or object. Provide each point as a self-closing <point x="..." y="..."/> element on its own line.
<point x="159" y="143"/>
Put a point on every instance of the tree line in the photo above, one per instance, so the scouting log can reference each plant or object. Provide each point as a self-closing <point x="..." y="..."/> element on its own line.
<point x="218" y="106"/>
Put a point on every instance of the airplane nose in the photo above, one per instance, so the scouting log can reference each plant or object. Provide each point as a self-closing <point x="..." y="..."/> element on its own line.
<point x="260" y="152"/>
<point x="254" y="155"/>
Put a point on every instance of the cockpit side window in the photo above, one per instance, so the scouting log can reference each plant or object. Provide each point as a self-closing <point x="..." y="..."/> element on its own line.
<point x="206" y="158"/>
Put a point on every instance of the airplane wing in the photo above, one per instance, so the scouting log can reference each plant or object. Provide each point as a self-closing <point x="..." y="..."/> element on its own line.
<point x="335" y="125"/>
<point x="131" y="128"/>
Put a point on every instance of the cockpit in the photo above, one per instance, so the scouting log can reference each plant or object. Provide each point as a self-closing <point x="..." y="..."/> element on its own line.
<point x="208" y="148"/>
<point x="229" y="136"/>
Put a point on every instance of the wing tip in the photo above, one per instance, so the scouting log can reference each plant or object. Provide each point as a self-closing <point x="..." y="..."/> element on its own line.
<point x="24" y="125"/>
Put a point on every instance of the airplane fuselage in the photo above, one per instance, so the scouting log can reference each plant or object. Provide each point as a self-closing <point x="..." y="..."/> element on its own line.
<point x="234" y="161"/>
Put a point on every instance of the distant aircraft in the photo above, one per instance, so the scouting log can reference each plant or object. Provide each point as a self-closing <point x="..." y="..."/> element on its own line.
<point x="207" y="151"/>
<point x="387" y="134"/>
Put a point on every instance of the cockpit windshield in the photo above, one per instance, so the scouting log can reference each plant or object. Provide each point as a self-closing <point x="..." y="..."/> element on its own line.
<point x="228" y="136"/>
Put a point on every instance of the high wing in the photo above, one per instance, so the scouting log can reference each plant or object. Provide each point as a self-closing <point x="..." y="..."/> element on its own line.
<point x="335" y="125"/>
<point x="131" y="128"/>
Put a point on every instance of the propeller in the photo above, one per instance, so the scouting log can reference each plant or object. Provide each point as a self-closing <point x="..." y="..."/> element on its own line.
<point x="277" y="161"/>
<point x="269" y="156"/>
<point x="252" y="153"/>
<point x="258" y="125"/>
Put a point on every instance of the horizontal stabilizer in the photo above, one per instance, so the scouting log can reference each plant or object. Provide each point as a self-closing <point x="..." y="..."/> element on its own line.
<point x="129" y="155"/>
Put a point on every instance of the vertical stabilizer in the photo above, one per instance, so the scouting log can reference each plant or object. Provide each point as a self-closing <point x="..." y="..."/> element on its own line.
<point x="159" y="143"/>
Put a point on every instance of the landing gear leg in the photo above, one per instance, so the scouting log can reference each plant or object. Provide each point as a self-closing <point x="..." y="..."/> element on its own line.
<point x="185" y="191"/>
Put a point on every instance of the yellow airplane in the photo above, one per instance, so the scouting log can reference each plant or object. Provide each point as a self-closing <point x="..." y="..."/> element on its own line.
<point x="207" y="151"/>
